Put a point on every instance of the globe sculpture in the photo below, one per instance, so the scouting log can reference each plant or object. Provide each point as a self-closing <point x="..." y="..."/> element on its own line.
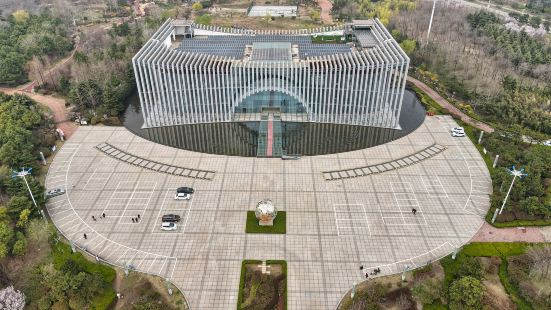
<point x="265" y="212"/>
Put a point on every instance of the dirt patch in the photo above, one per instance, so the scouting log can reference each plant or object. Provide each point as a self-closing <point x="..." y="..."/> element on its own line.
<point x="326" y="7"/>
<point x="488" y="233"/>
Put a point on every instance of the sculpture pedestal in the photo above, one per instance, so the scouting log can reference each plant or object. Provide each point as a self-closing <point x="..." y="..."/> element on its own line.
<point x="268" y="222"/>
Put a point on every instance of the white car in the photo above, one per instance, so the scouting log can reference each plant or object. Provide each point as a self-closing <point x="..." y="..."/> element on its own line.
<point x="182" y="196"/>
<point x="458" y="130"/>
<point x="458" y="134"/>
<point x="168" y="226"/>
<point x="547" y="143"/>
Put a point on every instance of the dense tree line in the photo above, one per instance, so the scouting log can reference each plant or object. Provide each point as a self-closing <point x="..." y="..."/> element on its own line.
<point x="101" y="77"/>
<point x="23" y="133"/>
<point x="529" y="194"/>
<point x="25" y="36"/>
<point x="519" y="46"/>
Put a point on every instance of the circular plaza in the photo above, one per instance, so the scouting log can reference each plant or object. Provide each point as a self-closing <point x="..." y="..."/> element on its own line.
<point x="343" y="210"/>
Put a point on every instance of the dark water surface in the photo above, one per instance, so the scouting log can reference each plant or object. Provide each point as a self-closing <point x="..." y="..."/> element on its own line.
<point x="241" y="138"/>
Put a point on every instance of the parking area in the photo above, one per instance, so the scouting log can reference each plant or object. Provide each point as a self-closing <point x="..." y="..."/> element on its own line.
<point x="393" y="220"/>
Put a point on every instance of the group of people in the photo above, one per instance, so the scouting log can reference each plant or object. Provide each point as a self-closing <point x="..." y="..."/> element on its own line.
<point x="373" y="273"/>
<point x="102" y="216"/>
<point x="136" y="219"/>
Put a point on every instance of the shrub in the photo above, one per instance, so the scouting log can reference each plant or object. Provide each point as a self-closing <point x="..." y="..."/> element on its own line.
<point x="428" y="290"/>
<point x="20" y="246"/>
<point x="466" y="293"/>
<point x="471" y="267"/>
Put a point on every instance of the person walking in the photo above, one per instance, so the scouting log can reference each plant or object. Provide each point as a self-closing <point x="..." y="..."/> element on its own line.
<point x="85" y="237"/>
<point x="138" y="216"/>
<point x="133" y="220"/>
<point x="414" y="211"/>
<point x="103" y="214"/>
<point x="94" y="218"/>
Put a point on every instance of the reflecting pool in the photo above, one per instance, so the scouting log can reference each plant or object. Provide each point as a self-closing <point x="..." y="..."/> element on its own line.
<point x="292" y="138"/>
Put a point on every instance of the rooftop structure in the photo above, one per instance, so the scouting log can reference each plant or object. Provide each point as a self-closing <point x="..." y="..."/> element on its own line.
<point x="350" y="74"/>
<point x="273" y="10"/>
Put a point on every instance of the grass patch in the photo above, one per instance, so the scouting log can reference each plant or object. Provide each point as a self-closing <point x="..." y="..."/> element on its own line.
<point x="328" y="39"/>
<point x="279" y="227"/>
<point x="517" y="223"/>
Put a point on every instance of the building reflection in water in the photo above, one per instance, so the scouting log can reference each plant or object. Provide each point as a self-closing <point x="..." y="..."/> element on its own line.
<point x="298" y="138"/>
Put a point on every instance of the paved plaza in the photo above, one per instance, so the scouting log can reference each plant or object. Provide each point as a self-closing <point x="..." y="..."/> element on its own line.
<point x="333" y="226"/>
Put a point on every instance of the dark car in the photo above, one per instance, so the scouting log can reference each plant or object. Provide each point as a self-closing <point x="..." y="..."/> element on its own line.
<point x="55" y="192"/>
<point x="171" y="218"/>
<point x="185" y="190"/>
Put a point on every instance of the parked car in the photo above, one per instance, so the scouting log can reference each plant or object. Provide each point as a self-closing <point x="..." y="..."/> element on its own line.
<point x="171" y="218"/>
<point x="458" y="129"/>
<point x="55" y="192"/>
<point x="185" y="190"/>
<point x="547" y="143"/>
<point x="168" y="226"/>
<point x="182" y="196"/>
<point x="458" y="134"/>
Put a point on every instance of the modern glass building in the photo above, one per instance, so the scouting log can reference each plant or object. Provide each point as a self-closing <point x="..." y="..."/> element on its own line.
<point x="351" y="74"/>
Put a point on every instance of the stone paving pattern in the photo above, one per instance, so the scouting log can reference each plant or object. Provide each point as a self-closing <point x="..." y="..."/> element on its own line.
<point x="332" y="227"/>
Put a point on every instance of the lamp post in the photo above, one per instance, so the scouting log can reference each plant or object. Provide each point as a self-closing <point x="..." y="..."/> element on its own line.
<point x="430" y="22"/>
<point x="22" y="174"/>
<point x="516" y="173"/>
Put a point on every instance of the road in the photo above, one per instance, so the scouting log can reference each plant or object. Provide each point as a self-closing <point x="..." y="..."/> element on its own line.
<point x="326" y="7"/>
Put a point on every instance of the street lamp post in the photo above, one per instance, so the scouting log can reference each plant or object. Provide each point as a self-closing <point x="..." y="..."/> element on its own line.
<point x="430" y="22"/>
<point x="516" y="173"/>
<point x="21" y="174"/>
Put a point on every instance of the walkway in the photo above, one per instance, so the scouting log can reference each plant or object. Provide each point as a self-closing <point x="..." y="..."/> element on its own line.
<point x="326" y="7"/>
<point x="446" y="105"/>
<point x="488" y="233"/>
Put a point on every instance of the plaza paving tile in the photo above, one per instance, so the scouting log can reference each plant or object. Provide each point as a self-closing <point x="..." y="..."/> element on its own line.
<point x="333" y="227"/>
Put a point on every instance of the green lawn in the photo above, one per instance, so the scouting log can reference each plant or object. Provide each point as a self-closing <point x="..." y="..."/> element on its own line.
<point x="279" y="227"/>
<point x="328" y="39"/>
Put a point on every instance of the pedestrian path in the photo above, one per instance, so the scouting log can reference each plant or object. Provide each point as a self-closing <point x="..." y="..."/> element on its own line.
<point x="116" y="153"/>
<point x="385" y="166"/>
<point x="446" y="105"/>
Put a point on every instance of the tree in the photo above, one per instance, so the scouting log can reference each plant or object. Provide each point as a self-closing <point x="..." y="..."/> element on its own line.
<point x="471" y="267"/>
<point x="23" y="218"/>
<point x="11" y="299"/>
<point x="17" y="204"/>
<point x="20" y="16"/>
<point x="533" y="206"/>
<point x="315" y="15"/>
<point x="20" y="245"/>
<point x="408" y="46"/>
<point x="6" y="234"/>
<point x="197" y="6"/>
<point x="466" y="293"/>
